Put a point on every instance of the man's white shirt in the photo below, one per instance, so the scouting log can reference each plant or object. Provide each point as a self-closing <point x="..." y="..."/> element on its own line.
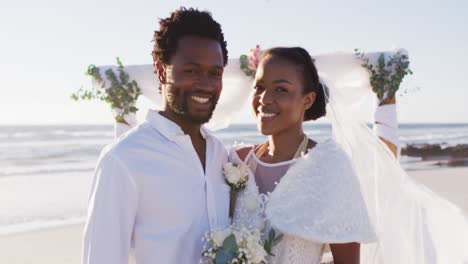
<point x="151" y="194"/>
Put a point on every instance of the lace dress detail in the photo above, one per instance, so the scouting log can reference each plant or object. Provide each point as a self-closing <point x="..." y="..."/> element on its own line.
<point x="315" y="203"/>
<point x="296" y="250"/>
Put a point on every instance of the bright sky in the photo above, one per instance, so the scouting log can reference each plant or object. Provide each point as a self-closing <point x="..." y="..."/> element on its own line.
<point x="46" y="46"/>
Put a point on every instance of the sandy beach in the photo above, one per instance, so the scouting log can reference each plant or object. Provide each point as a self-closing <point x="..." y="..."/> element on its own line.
<point x="62" y="245"/>
<point x="48" y="246"/>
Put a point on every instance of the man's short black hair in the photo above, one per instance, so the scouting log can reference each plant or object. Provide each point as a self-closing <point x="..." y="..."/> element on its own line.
<point x="183" y="22"/>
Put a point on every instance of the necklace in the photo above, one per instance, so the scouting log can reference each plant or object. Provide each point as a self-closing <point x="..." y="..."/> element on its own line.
<point x="300" y="150"/>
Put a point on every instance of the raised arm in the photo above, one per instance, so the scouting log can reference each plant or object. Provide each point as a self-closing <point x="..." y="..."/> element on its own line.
<point x="386" y="124"/>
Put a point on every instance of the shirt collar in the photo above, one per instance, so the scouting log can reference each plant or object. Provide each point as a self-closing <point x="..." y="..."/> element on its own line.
<point x="205" y="132"/>
<point x="169" y="128"/>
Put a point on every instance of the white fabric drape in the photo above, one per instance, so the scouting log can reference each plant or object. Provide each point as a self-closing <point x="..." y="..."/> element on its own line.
<point x="235" y="94"/>
<point x="413" y="224"/>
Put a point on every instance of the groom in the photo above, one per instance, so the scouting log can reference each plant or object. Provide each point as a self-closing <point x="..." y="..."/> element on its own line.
<point x="159" y="188"/>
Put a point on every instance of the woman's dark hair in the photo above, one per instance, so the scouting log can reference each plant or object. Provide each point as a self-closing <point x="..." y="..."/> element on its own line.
<point x="301" y="58"/>
<point x="183" y="22"/>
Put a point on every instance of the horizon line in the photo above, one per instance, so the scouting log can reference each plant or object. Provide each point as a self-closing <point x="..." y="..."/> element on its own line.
<point x="246" y="123"/>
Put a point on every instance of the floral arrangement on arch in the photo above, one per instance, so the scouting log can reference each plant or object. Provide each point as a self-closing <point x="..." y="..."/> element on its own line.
<point x="249" y="64"/>
<point x="387" y="74"/>
<point x="118" y="91"/>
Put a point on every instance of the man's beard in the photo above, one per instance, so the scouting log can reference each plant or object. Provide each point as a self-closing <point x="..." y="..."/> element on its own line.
<point x="178" y="102"/>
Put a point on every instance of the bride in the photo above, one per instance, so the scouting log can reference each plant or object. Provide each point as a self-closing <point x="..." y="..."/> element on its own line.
<point x="348" y="193"/>
<point x="314" y="200"/>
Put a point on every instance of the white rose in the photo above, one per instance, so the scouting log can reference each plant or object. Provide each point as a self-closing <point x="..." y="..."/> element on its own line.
<point x="256" y="251"/>
<point x="243" y="172"/>
<point x="228" y="166"/>
<point x="233" y="175"/>
<point x="219" y="236"/>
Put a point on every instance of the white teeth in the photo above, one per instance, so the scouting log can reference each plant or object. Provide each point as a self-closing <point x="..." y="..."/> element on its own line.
<point x="201" y="100"/>
<point x="267" y="114"/>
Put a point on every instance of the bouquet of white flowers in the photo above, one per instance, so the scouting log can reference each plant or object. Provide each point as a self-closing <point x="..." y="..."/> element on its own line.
<point x="238" y="245"/>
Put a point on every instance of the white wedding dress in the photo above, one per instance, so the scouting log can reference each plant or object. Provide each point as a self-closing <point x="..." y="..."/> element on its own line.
<point x="318" y="201"/>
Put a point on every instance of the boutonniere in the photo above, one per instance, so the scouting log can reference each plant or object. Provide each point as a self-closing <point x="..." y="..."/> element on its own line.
<point x="235" y="176"/>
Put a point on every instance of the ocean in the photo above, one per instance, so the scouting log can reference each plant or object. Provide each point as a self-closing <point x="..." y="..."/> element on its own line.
<point x="46" y="171"/>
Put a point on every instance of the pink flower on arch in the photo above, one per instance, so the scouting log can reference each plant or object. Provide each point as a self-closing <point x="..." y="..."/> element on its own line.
<point x="254" y="58"/>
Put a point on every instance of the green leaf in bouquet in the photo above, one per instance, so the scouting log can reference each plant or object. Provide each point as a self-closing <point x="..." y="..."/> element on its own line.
<point x="271" y="234"/>
<point x="224" y="256"/>
<point x="228" y="251"/>
<point x="277" y="239"/>
<point x="268" y="248"/>
<point x="272" y="241"/>
<point x="230" y="243"/>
